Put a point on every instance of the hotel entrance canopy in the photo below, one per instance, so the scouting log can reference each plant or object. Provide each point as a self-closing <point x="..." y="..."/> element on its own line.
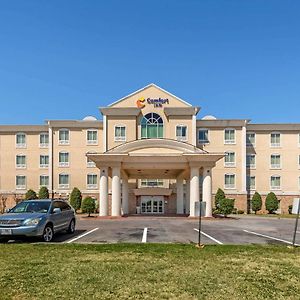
<point x="152" y="159"/>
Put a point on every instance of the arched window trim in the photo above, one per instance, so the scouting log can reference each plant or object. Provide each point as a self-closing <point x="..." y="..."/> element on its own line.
<point x="151" y="119"/>
<point x="64" y="164"/>
<point x="21" y="145"/>
<point x="65" y="141"/>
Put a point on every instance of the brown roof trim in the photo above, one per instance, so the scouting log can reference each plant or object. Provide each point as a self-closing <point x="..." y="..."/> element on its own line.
<point x="23" y="128"/>
<point x="120" y="111"/>
<point x="222" y="123"/>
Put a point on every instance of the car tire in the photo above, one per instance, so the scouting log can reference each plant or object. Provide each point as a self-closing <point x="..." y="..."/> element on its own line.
<point x="48" y="233"/>
<point x="3" y="240"/>
<point x="71" y="228"/>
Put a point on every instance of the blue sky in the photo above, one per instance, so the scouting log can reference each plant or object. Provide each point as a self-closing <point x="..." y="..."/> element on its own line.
<point x="64" y="59"/>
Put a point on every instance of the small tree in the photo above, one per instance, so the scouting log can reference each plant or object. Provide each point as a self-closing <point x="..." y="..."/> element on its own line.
<point x="43" y="193"/>
<point x="30" y="194"/>
<point x="256" y="202"/>
<point x="88" y="205"/>
<point x="3" y="204"/>
<point x="219" y="196"/>
<point x="226" y="206"/>
<point x="272" y="203"/>
<point x="75" y="199"/>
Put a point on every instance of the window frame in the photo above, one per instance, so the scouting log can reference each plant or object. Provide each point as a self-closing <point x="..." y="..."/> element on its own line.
<point x="272" y="167"/>
<point x="181" y="138"/>
<point x="230" y="187"/>
<point x="250" y="144"/>
<point x="91" y="186"/>
<point x="251" y="166"/>
<point x="64" y="142"/>
<point x="23" y="145"/>
<point x="230" y="164"/>
<point x="280" y="141"/>
<point x="21" y="187"/>
<point x="91" y="142"/>
<point x="90" y="164"/>
<point x="120" y="138"/>
<point x="203" y="141"/>
<point x="63" y="185"/>
<point x="44" y="166"/>
<point x="63" y="164"/>
<point x="21" y="166"/>
<point x="275" y="188"/>
<point x="43" y="175"/>
<point x="249" y="187"/>
<point x="229" y="142"/>
<point x="43" y="145"/>
<point x="145" y="121"/>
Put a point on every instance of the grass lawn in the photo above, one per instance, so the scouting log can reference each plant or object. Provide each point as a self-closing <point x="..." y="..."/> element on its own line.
<point x="148" y="271"/>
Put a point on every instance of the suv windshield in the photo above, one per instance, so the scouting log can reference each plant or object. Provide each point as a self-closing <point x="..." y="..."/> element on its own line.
<point x="31" y="207"/>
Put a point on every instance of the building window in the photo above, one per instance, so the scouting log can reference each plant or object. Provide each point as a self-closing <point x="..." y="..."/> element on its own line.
<point x="250" y="139"/>
<point x="20" y="182"/>
<point x="63" y="181"/>
<point x="181" y="133"/>
<point x="203" y="136"/>
<point x="92" y="137"/>
<point x="44" y="140"/>
<point x="275" y="161"/>
<point x="251" y="183"/>
<point x="152" y="182"/>
<point x="89" y="162"/>
<point x="251" y="161"/>
<point x="64" y="137"/>
<point x="275" y="182"/>
<point x="20" y="161"/>
<point x="44" y="161"/>
<point x="44" y="180"/>
<point x="120" y="133"/>
<point x="92" y="181"/>
<point x="152" y="126"/>
<point x="21" y="140"/>
<point x="229" y="181"/>
<point x="229" y="136"/>
<point x="63" y="159"/>
<point x="229" y="159"/>
<point x="275" y="139"/>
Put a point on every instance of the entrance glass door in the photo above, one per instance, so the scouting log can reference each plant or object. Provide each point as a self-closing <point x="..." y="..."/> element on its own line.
<point x="152" y="205"/>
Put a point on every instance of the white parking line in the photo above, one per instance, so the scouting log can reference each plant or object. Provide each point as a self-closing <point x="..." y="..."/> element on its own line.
<point x="210" y="237"/>
<point x="269" y="237"/>
<point x="144" y="238"/>
<point x="82" y="235"/>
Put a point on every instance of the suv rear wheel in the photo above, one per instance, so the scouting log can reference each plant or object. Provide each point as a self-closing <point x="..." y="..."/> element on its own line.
<point x="48" y="234"/>
<point x="71" y="228"/>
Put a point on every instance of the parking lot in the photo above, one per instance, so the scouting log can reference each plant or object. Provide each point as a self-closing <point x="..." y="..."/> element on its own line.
<point x="150" y="229"/>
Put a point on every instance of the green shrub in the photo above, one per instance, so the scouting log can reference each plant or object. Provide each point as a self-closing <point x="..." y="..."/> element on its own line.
<point x="256" y="202"/>
<point x="43" y="193"/>
<point x="30" y="194"/>
<point x="88" y="205"/>
<point x="290" y="209"/>
<point x="216" y="211"/>
<point x="272" y="203"/>
<point x="234" y="211"/>
<point x="226" y="206"/>
<point x="240" y="212"/>
<point x="75" y="199"/>
<point x="219" y="196"/>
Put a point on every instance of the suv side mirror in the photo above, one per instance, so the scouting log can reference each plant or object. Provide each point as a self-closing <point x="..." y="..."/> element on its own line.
<point x="56" y="210"/>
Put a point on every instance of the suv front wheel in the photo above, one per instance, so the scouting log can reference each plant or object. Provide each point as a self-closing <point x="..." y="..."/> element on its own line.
<point x="48" y="234"/>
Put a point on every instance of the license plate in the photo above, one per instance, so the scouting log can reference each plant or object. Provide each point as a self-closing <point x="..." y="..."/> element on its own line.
<point x="6" y="231"/>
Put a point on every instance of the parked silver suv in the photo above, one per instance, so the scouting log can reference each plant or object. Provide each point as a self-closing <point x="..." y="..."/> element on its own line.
<point x="37" y="218"/>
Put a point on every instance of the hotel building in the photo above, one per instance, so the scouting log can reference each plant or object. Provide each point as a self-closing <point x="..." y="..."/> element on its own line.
<point x="152" y="154"/>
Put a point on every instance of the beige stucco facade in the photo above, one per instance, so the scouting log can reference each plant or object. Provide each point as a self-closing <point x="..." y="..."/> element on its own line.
<point x="147" y="153"/>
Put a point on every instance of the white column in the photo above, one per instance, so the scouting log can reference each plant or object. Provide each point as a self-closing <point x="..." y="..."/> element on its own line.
<point x="187" y="196"/>
<point x="104" y="134"/>
<point x="194" y="189"/>
<point x="179" y="196"/>
<point x="103" y="199"/>
<point x="116" y="192"/>
<point x="194" y="130"/>
<point x="207" y="191"/>
<point x="125" y="195"/>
